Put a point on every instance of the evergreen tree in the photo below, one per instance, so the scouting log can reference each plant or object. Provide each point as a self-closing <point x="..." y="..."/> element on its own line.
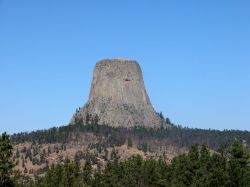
<point x="87" y="173"/>
<point x="17" y="153"/>
<point x="68" y="173"/>
<point x="239" y="165"/>
<point x="53" y="177"/>
<point x="6" y="163"/>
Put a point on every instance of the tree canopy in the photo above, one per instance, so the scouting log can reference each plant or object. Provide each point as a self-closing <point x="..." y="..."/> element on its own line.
<point x="6" y="162"/>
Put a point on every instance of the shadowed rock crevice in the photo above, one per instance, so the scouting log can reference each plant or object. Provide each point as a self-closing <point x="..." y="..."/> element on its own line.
<point x="118" y="96"/>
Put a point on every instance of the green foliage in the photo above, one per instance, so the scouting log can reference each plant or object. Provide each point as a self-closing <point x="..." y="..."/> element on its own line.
<point x="198" y="168"/>
<point x="239" y="165"/>
<point x="6" y="163"/>
<point x="176" y="135"/>
<point x="66" y="174"/>
<point x="228" y="166"/>
<point x="87" y="173"/>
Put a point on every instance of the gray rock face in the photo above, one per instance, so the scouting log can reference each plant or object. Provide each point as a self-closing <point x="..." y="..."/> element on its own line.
<point x="118" y="96"/>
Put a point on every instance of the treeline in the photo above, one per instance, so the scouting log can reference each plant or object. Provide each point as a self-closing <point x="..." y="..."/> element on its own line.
<point x="228" y="167"/>
<point x="176" y="135"/>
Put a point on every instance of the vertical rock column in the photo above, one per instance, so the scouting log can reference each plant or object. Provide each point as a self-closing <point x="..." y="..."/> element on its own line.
<point x="118" y="96"/>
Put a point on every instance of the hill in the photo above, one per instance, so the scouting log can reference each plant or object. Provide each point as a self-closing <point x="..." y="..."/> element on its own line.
<point x="36" y="151"/>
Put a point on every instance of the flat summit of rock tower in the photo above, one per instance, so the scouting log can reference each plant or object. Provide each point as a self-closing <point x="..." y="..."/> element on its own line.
<point x="118" y="97"/>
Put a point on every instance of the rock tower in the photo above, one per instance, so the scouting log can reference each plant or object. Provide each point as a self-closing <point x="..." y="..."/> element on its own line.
<point x="118" y="97"/>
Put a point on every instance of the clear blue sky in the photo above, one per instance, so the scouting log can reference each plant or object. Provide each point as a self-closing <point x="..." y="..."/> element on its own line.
<point x="195" y="56"/>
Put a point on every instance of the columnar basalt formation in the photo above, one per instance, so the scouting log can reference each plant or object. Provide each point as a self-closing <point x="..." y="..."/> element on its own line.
<point x="118" y="97"/>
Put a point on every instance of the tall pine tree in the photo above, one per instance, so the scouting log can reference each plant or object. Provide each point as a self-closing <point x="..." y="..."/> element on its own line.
<point x="6" y="163"/>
